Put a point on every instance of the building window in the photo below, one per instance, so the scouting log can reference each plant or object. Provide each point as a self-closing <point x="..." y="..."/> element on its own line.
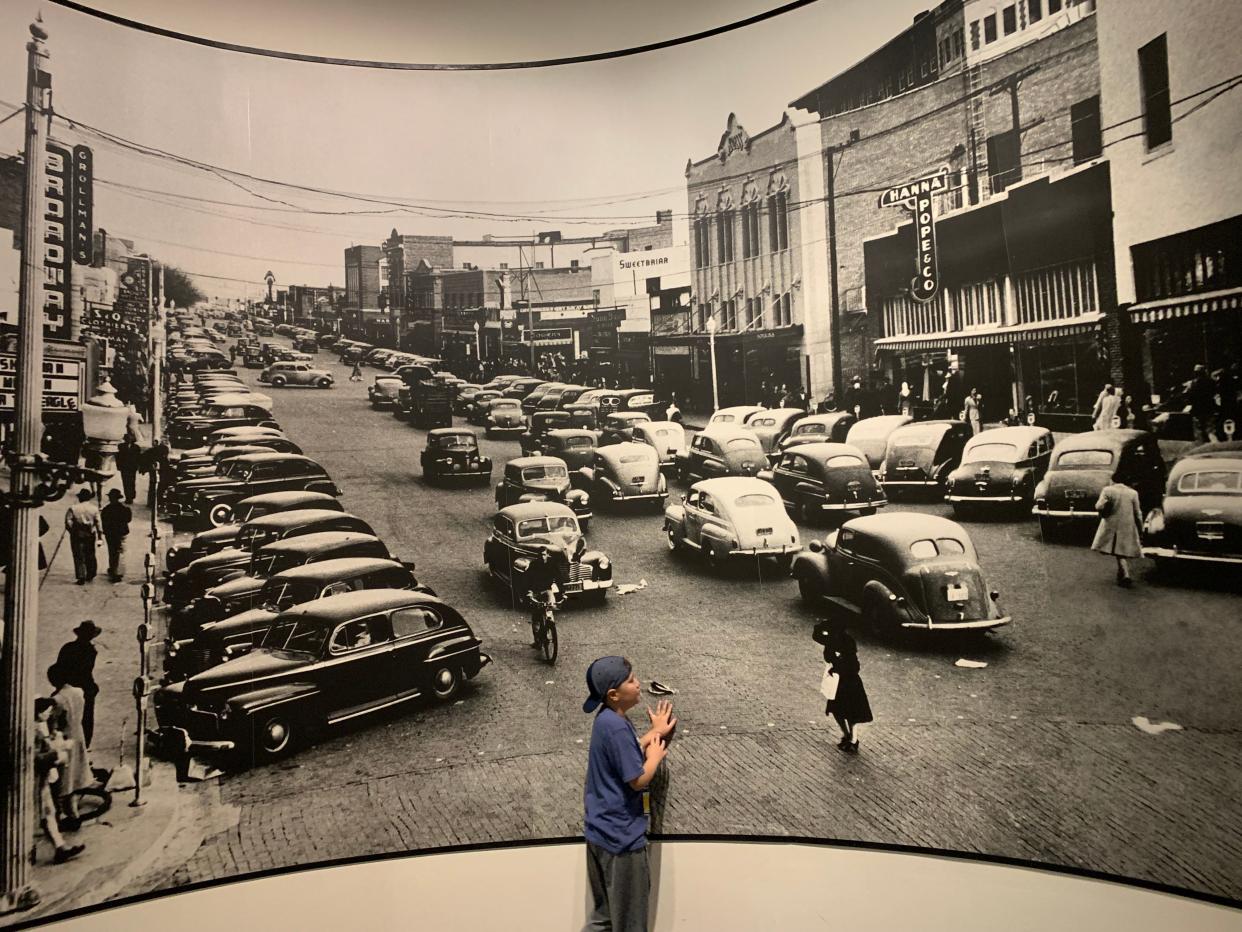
<point x="783" y="307"/>
<point x="754" y="312"/>
<point x="1085" y="124"/>
<point x="1009" y="20"/>
<point x="1058" y="292"/>
<point x="750" y="230"/>
<point x="1205" y="259"/>
<point x="538" y="265"/>
<point x="702" y="243"/>
<point x="724" y="236"/>
<point x="729" y="313"/>
<point x="989" y="28"/>
<point x="778" y="221"/>
<point x="573" y="263"/>
<point x="1054" y="7"/>
<point x="974" y="36"/>
<point x="1154" y="76"/>
<point x="1004" y="160"/>
<point x="1035" y="10"/>
<point x="504" y="265"/>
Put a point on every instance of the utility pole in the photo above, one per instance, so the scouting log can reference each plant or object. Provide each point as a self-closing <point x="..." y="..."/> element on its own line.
<point x="835" y="307"/>
<point x="530" y="311"/>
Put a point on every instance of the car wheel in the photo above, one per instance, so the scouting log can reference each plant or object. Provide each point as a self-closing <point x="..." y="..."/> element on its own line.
<point x="810" y="589"/>
<point x="220" y="514"/>
<point x="324" y="383"/>
<point x="445" y="683"/>
<point x="274" y="735"/>
<point x="278" y="381"/>
<point x="714" y="560"/>
<point x="670" y="538"/>
<point x="1048" y="529"/>
<point x="551" y="644"/>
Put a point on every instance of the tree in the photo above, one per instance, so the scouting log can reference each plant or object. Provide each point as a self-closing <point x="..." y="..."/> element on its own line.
<point x="180" y="288"/>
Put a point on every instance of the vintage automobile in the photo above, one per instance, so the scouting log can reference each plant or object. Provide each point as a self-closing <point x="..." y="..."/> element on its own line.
<point x="532" y="441"/>
<point x="722" y="450"/>
<point x="531" y="401"/>
<point x="280" y="374"/>
<point x="832" y="427"/>
<point x="1200" y="519"/>
<point x="730" y="517"/>
<point x="376" y="355"/>
<point x="214" y="464"/>
<point x="817" y="478"/>
<point x="520" y="388"/>
<point x="921" y="456"/>
<point x="590" y="408"/>
<point x="561" y="398"/>
<point x="192" y="580"/>
<point x="736" y="415"/>
<point x="212" y="497"/>
<point x="638" y="399"/>
<point x="227" y="410"/>
<point x="1000" y="468"/>
<point x="308" y="345"/>
<point x="667" y="437"/>
<point x="322" y="663"/>
<point x="1082" y="464"/>
<point x="248" y="509"/>
<point x="774" y="425"/>
<point x="476" y="407"/>
<point x="520" y="532"/>
<point x="453" y="453"/>
<point x="241" y="433"/>
<point x="898" y="572"/>
<point x="354" y="353"/>
<point x="573" y="445"/>
<point x="541" y="479"/>
<point x="384" y="390"/>
<point x="871" y="435"/>
<point x="618" y="427"/>
<point x="504" y="417"/>
<point x="227" y="620"/>
<point x="200" y="456"/>
<point x="463" y="398"/>
<point x="622" y="473"/>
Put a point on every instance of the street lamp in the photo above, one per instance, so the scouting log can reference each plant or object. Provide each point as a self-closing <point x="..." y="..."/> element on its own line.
<point x="104" y="419"/>
<point x="711" y="343"/>
<point x="478" y="353"/>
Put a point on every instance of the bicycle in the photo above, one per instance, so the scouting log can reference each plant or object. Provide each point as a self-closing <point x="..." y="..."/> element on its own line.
<point x="543" y="624"/>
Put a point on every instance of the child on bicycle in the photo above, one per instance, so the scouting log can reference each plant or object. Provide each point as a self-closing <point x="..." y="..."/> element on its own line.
<point x="620" y="766"/>
<point x="541" y="583"/>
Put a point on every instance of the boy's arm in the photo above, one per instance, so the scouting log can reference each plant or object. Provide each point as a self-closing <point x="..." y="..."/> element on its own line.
<point x="655" y="752"/>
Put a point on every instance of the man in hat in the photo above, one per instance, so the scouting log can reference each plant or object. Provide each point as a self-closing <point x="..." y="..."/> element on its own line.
<point x="128" y="461"/>
<point x="84" y="527"/>
<point x="115" y="518"/>
<point x="77" y="660"/>
<point x="620" y="767"/>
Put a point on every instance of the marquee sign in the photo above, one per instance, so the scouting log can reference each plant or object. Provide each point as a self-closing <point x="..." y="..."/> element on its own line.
<point x="56" y="241"/>
<point x="917" y="197"/>
<point x="83" y="203"/>
<point x="62" y="383"/>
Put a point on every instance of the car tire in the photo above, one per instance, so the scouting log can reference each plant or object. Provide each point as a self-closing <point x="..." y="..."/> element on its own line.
<point x="810" y="589"/>
<point x="1048" y="529"/>
<point x="674" y="544"/>
<point x="714" y="561"/>
<point x="278" y="381"/>
<point x="274" y="736"/>
<point x="220" y="514"/>
<point x="324" y="383"/>
<point x="445" y="683"/>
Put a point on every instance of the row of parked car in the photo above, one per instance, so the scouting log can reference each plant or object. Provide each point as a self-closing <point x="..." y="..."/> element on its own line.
<point x="288" y="615"/>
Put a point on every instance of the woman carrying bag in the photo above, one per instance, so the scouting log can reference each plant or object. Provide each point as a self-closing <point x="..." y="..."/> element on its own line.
<point x="1121" y="526"/>
<point x="842" y="685"/>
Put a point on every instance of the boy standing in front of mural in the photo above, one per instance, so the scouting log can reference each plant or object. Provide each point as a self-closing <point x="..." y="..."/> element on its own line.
<point x="620" y="767"/>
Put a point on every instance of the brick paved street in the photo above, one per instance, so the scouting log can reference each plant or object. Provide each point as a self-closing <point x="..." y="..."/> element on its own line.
<point x="1032" y="757"/>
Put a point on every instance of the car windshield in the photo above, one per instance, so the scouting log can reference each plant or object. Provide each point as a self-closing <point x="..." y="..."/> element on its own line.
<point x="722" y="419"/>
<point x="239" y="470"/>
<point x="578" y="443"/>
<point x="269" y="564"/>
<point x="741" y="444"/>
<point x="551" y="471"/>
<point x="811" y="429"/>
<point x="304" y="637"/>
<point x="1211" y="482"/>
<point x="253" y="538"/>
<point x="533" y="527"/>
<point x="284" y="595"/>
<point x="941" y="546"/>
<point x="1085" y="459"/>
<point x="753" y="500"/>
<point x="507" y="405"/>
<point x="843" y="459"/>
<point x="456" y="442"/>
<point x="991" y="452"/>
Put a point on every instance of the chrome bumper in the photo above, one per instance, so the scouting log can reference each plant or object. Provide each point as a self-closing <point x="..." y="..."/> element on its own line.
<point x="1170" y="553"/>
<point x="1046" y="512"/>
<point x="978" y="624"/>
<point x="785" y="550"/>
<point x="853" y="506"/>
<point x="983" y="498"/>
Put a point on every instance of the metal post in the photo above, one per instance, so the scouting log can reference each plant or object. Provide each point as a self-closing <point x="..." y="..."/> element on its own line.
<point x="711" y="343"/>
<point x="21" y="597"/>
<point x="837" y="383"/>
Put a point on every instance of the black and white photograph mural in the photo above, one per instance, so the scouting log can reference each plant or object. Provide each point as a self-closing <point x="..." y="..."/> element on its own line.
<point x="866" y="374"/>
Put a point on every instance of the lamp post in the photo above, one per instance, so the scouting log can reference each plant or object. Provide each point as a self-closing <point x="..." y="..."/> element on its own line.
<point x="104" y="419"/>
<point x="711" y="343"/>
<point x="478" y="352"/>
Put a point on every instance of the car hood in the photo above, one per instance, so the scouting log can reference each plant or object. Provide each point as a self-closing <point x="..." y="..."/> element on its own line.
<point x="554" y="487"/>
<point x="220" y="559"/>
<point x="242" y="585"/>
<point x="258" y="663"/>
<point x="218" y="535"/>
<point x="238" y="624"/>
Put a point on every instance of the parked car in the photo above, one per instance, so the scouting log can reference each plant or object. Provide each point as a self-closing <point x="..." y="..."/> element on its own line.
<point x="774" y="425"/>
<point x="213" y="464"/>
<point x="320" y="664"/>
<point x="520" y="388"/>
<point x="832" y="427"/>
<point x="576" y="447"/>
<point x="241" y="433"/>
<point x="668" y="438"/>
<point x="1000" y="468"/>
<point x="384" y="390"/>
<point x="1082" y="464"/>
<point x="1200" y="518"/>
<point x="735" y="415"/>
<point x="618" y="427"/>
<point x="815" y="478"/>
<point x="355" y="352"/>
<point x="531" y="401"/>
<point x="730" y="517"/>
<point x="921" y="455"/>
<point x="561" y="398"/>
<point x="227" y="410"/>
<point x="722" y="449"/>
<point x="463" y="398"/>
<point x="521" y="532"/>
<point x="453" y="453"/>
<point x="476" y="408"/>
<point x="280" y="374"/>
<point x="212" y="498"/>
<point x="200" y="456"/>
<point x="504" y="416"/>
<point x="639" y="399"/>
<point x="871" y="435"/>
<point x="622" y="473"/>
<point x="532" y="441"/>
<point x="541" y="479"/>
<point x="900" y="571"/>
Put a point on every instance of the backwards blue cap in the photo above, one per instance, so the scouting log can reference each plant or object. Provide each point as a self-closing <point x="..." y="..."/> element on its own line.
<point x="604" y="674"/>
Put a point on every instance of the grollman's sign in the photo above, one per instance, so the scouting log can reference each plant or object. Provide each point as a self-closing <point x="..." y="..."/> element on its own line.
<point x="917" y="196"/>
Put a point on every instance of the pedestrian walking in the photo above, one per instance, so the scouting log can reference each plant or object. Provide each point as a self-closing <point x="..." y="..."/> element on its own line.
<point x="115" y="518"/>
<point x="77" y="659"/>
<point x="905" y="400"/>
<point x="85" y="530"/>
<point x="76" y="772"/>
<point x="972" y="410"/>
<point x="1121" y="526"/>
<point x="1106" y="408"/>
<point x="355" y="374"/>
<point x="51" y="754"/>
<point x="128" y="462"/>
<point x="1203" y="407"/>
<point x="620" y="767"/>
<point x="849" y="706"/>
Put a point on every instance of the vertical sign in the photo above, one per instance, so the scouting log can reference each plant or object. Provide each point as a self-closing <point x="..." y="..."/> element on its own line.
<point x="917" y="196"/>
<point x="83" y="197"/>
<point x="56" y="247"/>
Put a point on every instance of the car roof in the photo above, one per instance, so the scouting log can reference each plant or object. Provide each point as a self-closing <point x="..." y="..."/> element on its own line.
<point x="782" y="415"/>
<point x="828" y="417"/>
<point x="1100" y="440"/>
<point x="728" y="488"/>
<point x="297" y="516"/>
<point x="647" y="426"/>
<point x="1230" y="460"/>
<point x="521" y="462"/>
<point x="274" y="457"/>
<point x="318" y="542"/>
<point x="572" y="432"/>
<point x="524" y="510"/>
<point x="241" y="398"/>
<point x="347" y="605"/>
<point x="282" y="498"/>
<point x="905" y="526"/>
<point x="1219" y="447"/>
<point x="736" y="409"/>
<point x="942" y="427"/>
<point x="339" y="568"/>
<point x="728" y="432"/>
<point x="617" y="450"/>
<point x="825" y="449"/>
<point x="1018" y="436"/>
<point x="449" y="432"/>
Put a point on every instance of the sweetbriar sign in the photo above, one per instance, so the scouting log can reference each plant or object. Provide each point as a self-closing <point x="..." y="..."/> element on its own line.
<point x="917" y="196"/>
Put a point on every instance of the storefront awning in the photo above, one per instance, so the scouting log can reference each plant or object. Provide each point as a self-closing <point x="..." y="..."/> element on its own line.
<point x="1020" y="334"/>
<point x="1150" y="312"/>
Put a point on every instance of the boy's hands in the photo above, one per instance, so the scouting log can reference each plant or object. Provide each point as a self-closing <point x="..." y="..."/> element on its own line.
<point x="655" y="752"/>
<point x="662" y="719"/>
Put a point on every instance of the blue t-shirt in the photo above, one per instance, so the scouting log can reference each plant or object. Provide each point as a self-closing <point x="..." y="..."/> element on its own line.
<point x="614" y="811"/>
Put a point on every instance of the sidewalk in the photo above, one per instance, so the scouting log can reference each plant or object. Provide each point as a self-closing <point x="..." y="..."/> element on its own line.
<point x="124" y="841"/>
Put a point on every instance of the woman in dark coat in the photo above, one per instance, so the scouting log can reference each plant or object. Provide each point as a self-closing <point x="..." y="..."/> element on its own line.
<point x="849" y="707"/>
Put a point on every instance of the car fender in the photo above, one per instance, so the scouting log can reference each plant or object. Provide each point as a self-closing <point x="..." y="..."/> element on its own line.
<point x="717" y="532"/>
<point x="809" y="490"/>
<point x="258" y="700"/>
<point x="674" y="517"/>
<point x="809" y="564"/>
<point x="451" y="645"/>
<point x="894" y="606"/>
